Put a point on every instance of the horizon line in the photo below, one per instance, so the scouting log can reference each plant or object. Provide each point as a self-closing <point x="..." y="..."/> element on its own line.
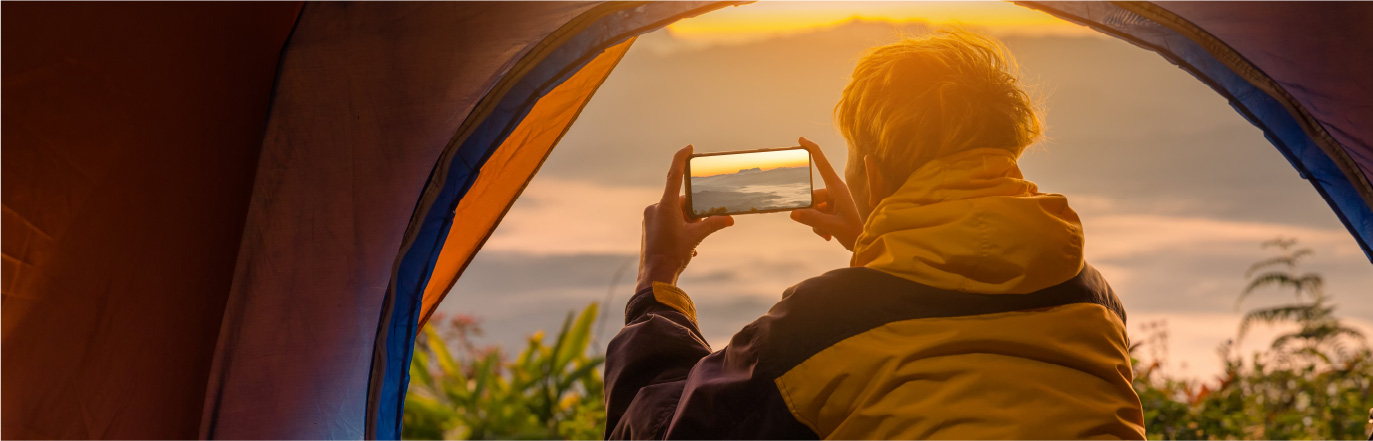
<point x="760" y="169"/>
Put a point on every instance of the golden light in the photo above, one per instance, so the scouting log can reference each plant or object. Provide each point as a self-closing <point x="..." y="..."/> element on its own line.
<point x="704" y="166"/>
<point x="767" y="18"/>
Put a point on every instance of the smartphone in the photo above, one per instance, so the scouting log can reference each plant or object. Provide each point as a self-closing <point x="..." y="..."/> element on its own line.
<point x="749" y="181"/>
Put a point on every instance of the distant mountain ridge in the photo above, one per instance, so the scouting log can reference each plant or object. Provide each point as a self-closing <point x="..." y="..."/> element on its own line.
<point x="753" y="176"/>
<point x="1105" y="101"/>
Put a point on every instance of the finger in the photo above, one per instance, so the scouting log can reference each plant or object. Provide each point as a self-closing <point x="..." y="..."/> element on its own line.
<point x="674" y="174"/>
<point x="816" y="219"/>
<point x="820" y="195"/>
<point x="822" y="164"/>
<point x="820" y="199"/>
<point x="709" y="225"/>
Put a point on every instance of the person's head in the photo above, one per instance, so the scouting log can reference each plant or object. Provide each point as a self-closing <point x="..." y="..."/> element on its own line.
<point x="923" y="98"/>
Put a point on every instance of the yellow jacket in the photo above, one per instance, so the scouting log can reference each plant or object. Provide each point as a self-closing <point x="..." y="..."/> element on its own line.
<point x="968" y="313"/>
<point x="971" y="223"/>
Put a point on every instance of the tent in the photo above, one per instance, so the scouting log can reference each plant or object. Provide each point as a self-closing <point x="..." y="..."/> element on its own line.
<point x="228" y="220"/>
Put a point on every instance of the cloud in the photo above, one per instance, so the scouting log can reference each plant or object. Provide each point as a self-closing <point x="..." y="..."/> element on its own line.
<point x="559" y="216"/>
<point x="761" y="254"/>
<point x="1194" y="338"/>
<point x="1120" y="236"/>
<point x="1122" y="122"/>
<point x="1174" y="188"/>
<point x="1176" y="263"/>
<point x="508" y="273"/>
<point x="516" y="293"/>
<point x="1187" y="270"/>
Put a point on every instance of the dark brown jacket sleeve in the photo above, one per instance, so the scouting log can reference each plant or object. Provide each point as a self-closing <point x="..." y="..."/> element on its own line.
<point x="663" y="382"/>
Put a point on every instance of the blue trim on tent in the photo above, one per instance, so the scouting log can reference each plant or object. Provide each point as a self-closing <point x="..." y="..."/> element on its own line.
<point x="419" y="259"/>
<point x="1257" y="106"/>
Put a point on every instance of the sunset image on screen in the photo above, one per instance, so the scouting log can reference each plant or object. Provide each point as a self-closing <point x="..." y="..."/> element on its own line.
<point x="750" y="182"/>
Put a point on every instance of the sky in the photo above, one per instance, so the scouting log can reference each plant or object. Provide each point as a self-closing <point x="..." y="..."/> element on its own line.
<point x="712" y="165"/>
<point x="1175" y="190"/>
<point x="772" y="18"/>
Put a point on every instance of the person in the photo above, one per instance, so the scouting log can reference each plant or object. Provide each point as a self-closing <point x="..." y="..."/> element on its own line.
<point x="967" y="311"/>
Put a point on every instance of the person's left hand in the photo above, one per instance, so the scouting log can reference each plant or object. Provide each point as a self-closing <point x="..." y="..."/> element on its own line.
<point x="670" y="237"/>
<point x="834" y="215"/>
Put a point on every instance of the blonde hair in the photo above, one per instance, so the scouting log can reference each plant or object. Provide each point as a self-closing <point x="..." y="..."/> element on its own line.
<point x="919" y="99"/>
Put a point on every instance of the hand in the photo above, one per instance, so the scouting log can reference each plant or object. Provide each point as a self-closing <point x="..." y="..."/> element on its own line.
<point x="834" y="215"/>
<point x="670" y="237"/>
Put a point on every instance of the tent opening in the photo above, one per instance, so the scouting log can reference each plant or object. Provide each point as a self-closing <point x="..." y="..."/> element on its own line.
<point x="1175" y="189"/>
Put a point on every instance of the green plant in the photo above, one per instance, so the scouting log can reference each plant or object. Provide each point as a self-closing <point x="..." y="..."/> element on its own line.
<point x="1307" y="385"/>
<point x="547" y="392"/>
<point x="1320" y="334"/>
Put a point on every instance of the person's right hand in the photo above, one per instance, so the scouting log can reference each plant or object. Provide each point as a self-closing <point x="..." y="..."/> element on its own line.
<point x="670" y="237"/>
<point x="834" y="215"/>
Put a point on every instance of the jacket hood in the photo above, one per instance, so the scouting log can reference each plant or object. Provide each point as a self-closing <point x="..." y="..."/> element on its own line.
<point x="970" y="222"/>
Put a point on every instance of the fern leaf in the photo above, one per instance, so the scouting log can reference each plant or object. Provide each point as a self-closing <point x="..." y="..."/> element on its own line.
<point x="1288" y="260"/>
<point x="1269" y="278"/>
<point x="1274" y="315"/>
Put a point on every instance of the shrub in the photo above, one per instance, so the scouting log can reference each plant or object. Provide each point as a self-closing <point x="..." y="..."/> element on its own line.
<point x="1314" y="383"/>
<point x="547" y="392"/>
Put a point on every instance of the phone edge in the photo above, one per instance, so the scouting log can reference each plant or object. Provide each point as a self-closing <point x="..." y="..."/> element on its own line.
<point x="686" y="178"/>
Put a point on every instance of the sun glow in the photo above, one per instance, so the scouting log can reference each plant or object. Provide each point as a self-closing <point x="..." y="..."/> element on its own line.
<point x="703" y="166"/>
<point x="767" y="18"/>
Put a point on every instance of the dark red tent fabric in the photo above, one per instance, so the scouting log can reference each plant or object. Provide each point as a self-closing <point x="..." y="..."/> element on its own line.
<point x="131" y="137"/>
<point x="199" y="242"/>
<point x="368" y="97"/>
<point x="1315" y="53"/>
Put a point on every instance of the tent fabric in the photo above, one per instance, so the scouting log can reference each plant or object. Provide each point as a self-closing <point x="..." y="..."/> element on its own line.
<point x="566" y="51"/>
<point x="131" y="135"/>
<point x="1320" y="56"/>
<point x="1298" y="73"/>
<point x="507" y="172"/>
<point x="368" y="96"/>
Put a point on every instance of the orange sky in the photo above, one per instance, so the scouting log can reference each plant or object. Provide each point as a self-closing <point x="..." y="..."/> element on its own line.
<point x="713" y="165"/>
<point x="1173" y="238"/>
<point x="781" y="17"/>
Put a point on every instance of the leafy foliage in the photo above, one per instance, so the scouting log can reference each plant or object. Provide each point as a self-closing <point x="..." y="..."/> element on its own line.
<point x="547" y="392"/>
<point x="1313" y="383"/>
<point x="1319" y="331"/>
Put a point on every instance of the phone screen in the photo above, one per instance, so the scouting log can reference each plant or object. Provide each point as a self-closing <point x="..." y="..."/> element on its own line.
<point x="754" y="181"/>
